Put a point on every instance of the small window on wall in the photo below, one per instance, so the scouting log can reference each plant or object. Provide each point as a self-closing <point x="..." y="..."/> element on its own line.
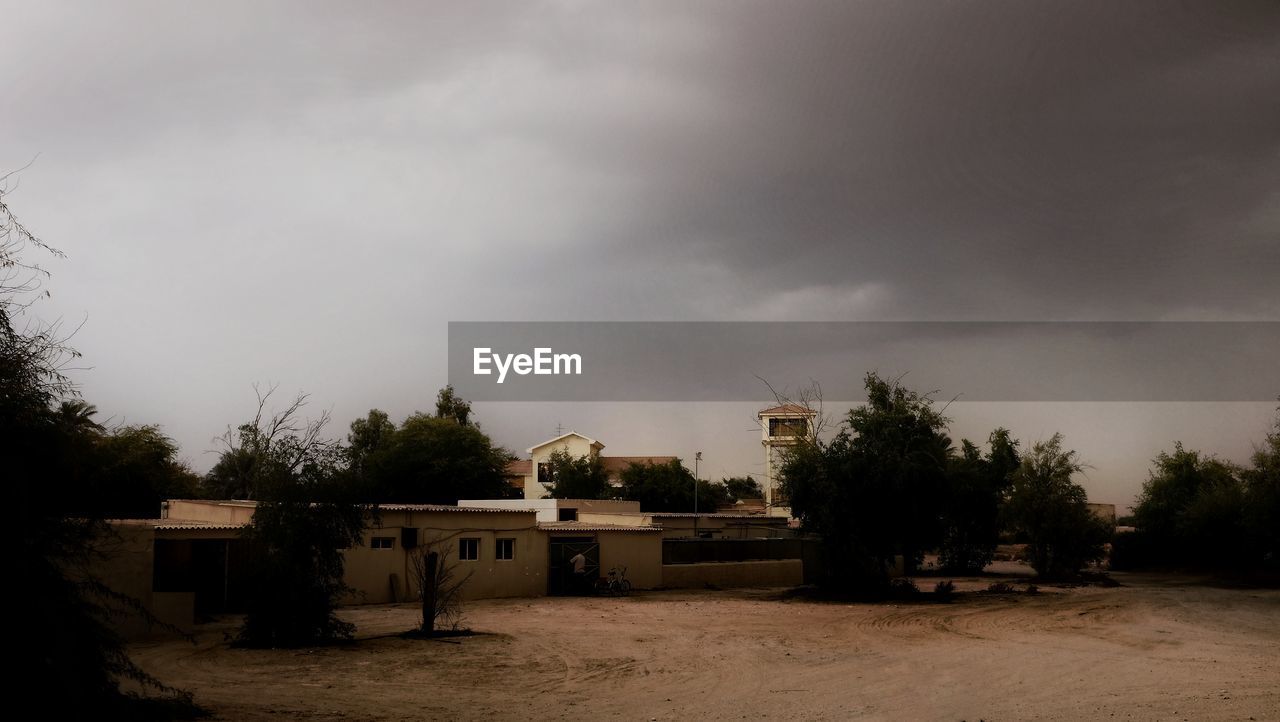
<point x="506" y="550"/>
<point x="567" y="515"/>
<point x="383" y="542"/>
<point x="468" y="550"/>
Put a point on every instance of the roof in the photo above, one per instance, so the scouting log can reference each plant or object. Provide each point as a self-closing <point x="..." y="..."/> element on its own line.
<point x="179" y="524"/>
<point x="220" y="502"/>
<point x="449" y="507"/>
<point x="787" y="410"/>
<point x="382" y="507"/>
<point x="617" y="464"/>
<point x="519" y="467"/>
<point x="681" y="514"/>
<point x="589" y="526"/>
<point x="588" y="439"/>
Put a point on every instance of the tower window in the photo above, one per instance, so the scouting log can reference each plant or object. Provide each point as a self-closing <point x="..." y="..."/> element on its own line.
<point x="787" y="427"/>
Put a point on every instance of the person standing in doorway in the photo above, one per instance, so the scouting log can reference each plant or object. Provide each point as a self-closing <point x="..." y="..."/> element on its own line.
<point x="579" y="564"/>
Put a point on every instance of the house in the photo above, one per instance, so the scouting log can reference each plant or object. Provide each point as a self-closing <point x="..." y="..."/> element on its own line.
<point x="193" y="562"/>
<point x="532" y="475"/>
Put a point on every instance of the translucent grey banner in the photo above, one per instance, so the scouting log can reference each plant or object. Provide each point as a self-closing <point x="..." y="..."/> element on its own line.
<point x="976" y="361"/>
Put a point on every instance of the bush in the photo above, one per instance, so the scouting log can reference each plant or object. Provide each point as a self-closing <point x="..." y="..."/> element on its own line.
<point x="903" y="588"/>
<point x="944" y="590"/>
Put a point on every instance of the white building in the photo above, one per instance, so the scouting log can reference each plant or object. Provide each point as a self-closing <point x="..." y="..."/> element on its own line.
<point x="532" y="474"/>
<point x="781" y="427"/>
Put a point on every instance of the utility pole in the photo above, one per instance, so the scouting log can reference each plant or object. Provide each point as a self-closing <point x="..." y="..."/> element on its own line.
<point x="696" y="458"/>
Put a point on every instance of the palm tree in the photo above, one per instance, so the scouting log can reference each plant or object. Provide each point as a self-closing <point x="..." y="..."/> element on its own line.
<point x="78" y="415"/>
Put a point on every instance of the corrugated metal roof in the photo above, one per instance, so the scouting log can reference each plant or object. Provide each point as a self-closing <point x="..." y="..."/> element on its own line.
<point x="588" y="526"/>
<point x="684" y="514"/>
<point x="178" y="524"/>
<point x="171" y="525"/>
<point x="446" y="507"/>
<point x="219" y="502"/>
<point x="385" y="507"/>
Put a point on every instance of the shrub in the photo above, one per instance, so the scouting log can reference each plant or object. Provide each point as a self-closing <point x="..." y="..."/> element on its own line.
<point x="944" y="590"/>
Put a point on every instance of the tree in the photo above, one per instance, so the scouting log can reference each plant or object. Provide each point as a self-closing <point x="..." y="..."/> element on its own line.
<point x="742" y="487"/>
<point x="1052" y="511"/>
<point x="1262" y="499"/>
<point x="231" y="476"/>
<point x="432" y="460"/>
<point x="136" y="468"/>
<point x="875" y="491"/>
<point x="368" y="436"/>
<point x="307" y="514"/>
<point x="451" y="406"/>
<point x="78" y="414"/>
<point x="1198" y="510"/>
<point x="669" y="487"/>
<point x="581" y="477"/>
<point x="975" y="489"/>
<point x="439" y="584"/>
<point x="73" y="661"/>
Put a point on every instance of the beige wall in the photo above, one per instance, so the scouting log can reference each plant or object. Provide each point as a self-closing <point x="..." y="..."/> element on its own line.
<point x="772" y="573"/>
<point x="625" y="518"/>
<point x="127" y="567"/>
<point x="601" y="506"/>
<point x="217" y="512"/>
<point x="369" y="571"/>
<point x="548" y="509"/>
<point x="679" y="527"/>
<point x="639" y="551"/>
<point x="752" y="527"/>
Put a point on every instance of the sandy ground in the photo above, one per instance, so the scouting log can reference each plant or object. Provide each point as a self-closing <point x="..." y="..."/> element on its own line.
<point x="1154" y="648"/>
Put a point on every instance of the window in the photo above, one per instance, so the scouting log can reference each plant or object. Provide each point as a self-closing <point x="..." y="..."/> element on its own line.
<point x="506" y="550"/>
<point x="469" y="550"/>
<point x="788" y="427"/>
<point x="567" y="515"/>
<point x="382" y="542"/>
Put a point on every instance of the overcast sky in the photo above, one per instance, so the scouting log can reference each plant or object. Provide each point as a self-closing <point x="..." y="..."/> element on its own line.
<point x="307" y="193"/>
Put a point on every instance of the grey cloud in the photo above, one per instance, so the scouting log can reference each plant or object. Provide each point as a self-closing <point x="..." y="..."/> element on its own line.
<point x="308" y="192"/>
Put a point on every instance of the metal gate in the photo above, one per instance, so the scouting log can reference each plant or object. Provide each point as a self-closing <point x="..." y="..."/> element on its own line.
<point x="560" y="577"/>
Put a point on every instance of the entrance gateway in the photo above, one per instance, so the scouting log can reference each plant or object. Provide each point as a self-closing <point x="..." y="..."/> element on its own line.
<point x="560" y="571"/>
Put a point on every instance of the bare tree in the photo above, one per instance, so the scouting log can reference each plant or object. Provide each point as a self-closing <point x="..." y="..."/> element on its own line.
<point x="34" y="355"/>
<point x="439" y="584"/>
<point x="279" y="443"/>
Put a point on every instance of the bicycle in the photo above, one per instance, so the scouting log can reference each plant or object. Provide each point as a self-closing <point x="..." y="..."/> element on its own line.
<point x="616" y="584"/>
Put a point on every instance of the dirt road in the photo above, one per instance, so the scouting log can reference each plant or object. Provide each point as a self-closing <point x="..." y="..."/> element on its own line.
<point x="1155" y="648"/>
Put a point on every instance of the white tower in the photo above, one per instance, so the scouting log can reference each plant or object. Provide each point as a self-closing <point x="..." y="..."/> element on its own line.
<point x="781" y="427"/>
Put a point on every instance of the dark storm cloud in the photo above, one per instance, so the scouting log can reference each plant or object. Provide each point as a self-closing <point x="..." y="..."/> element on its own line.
<point x="995" y="159"/>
